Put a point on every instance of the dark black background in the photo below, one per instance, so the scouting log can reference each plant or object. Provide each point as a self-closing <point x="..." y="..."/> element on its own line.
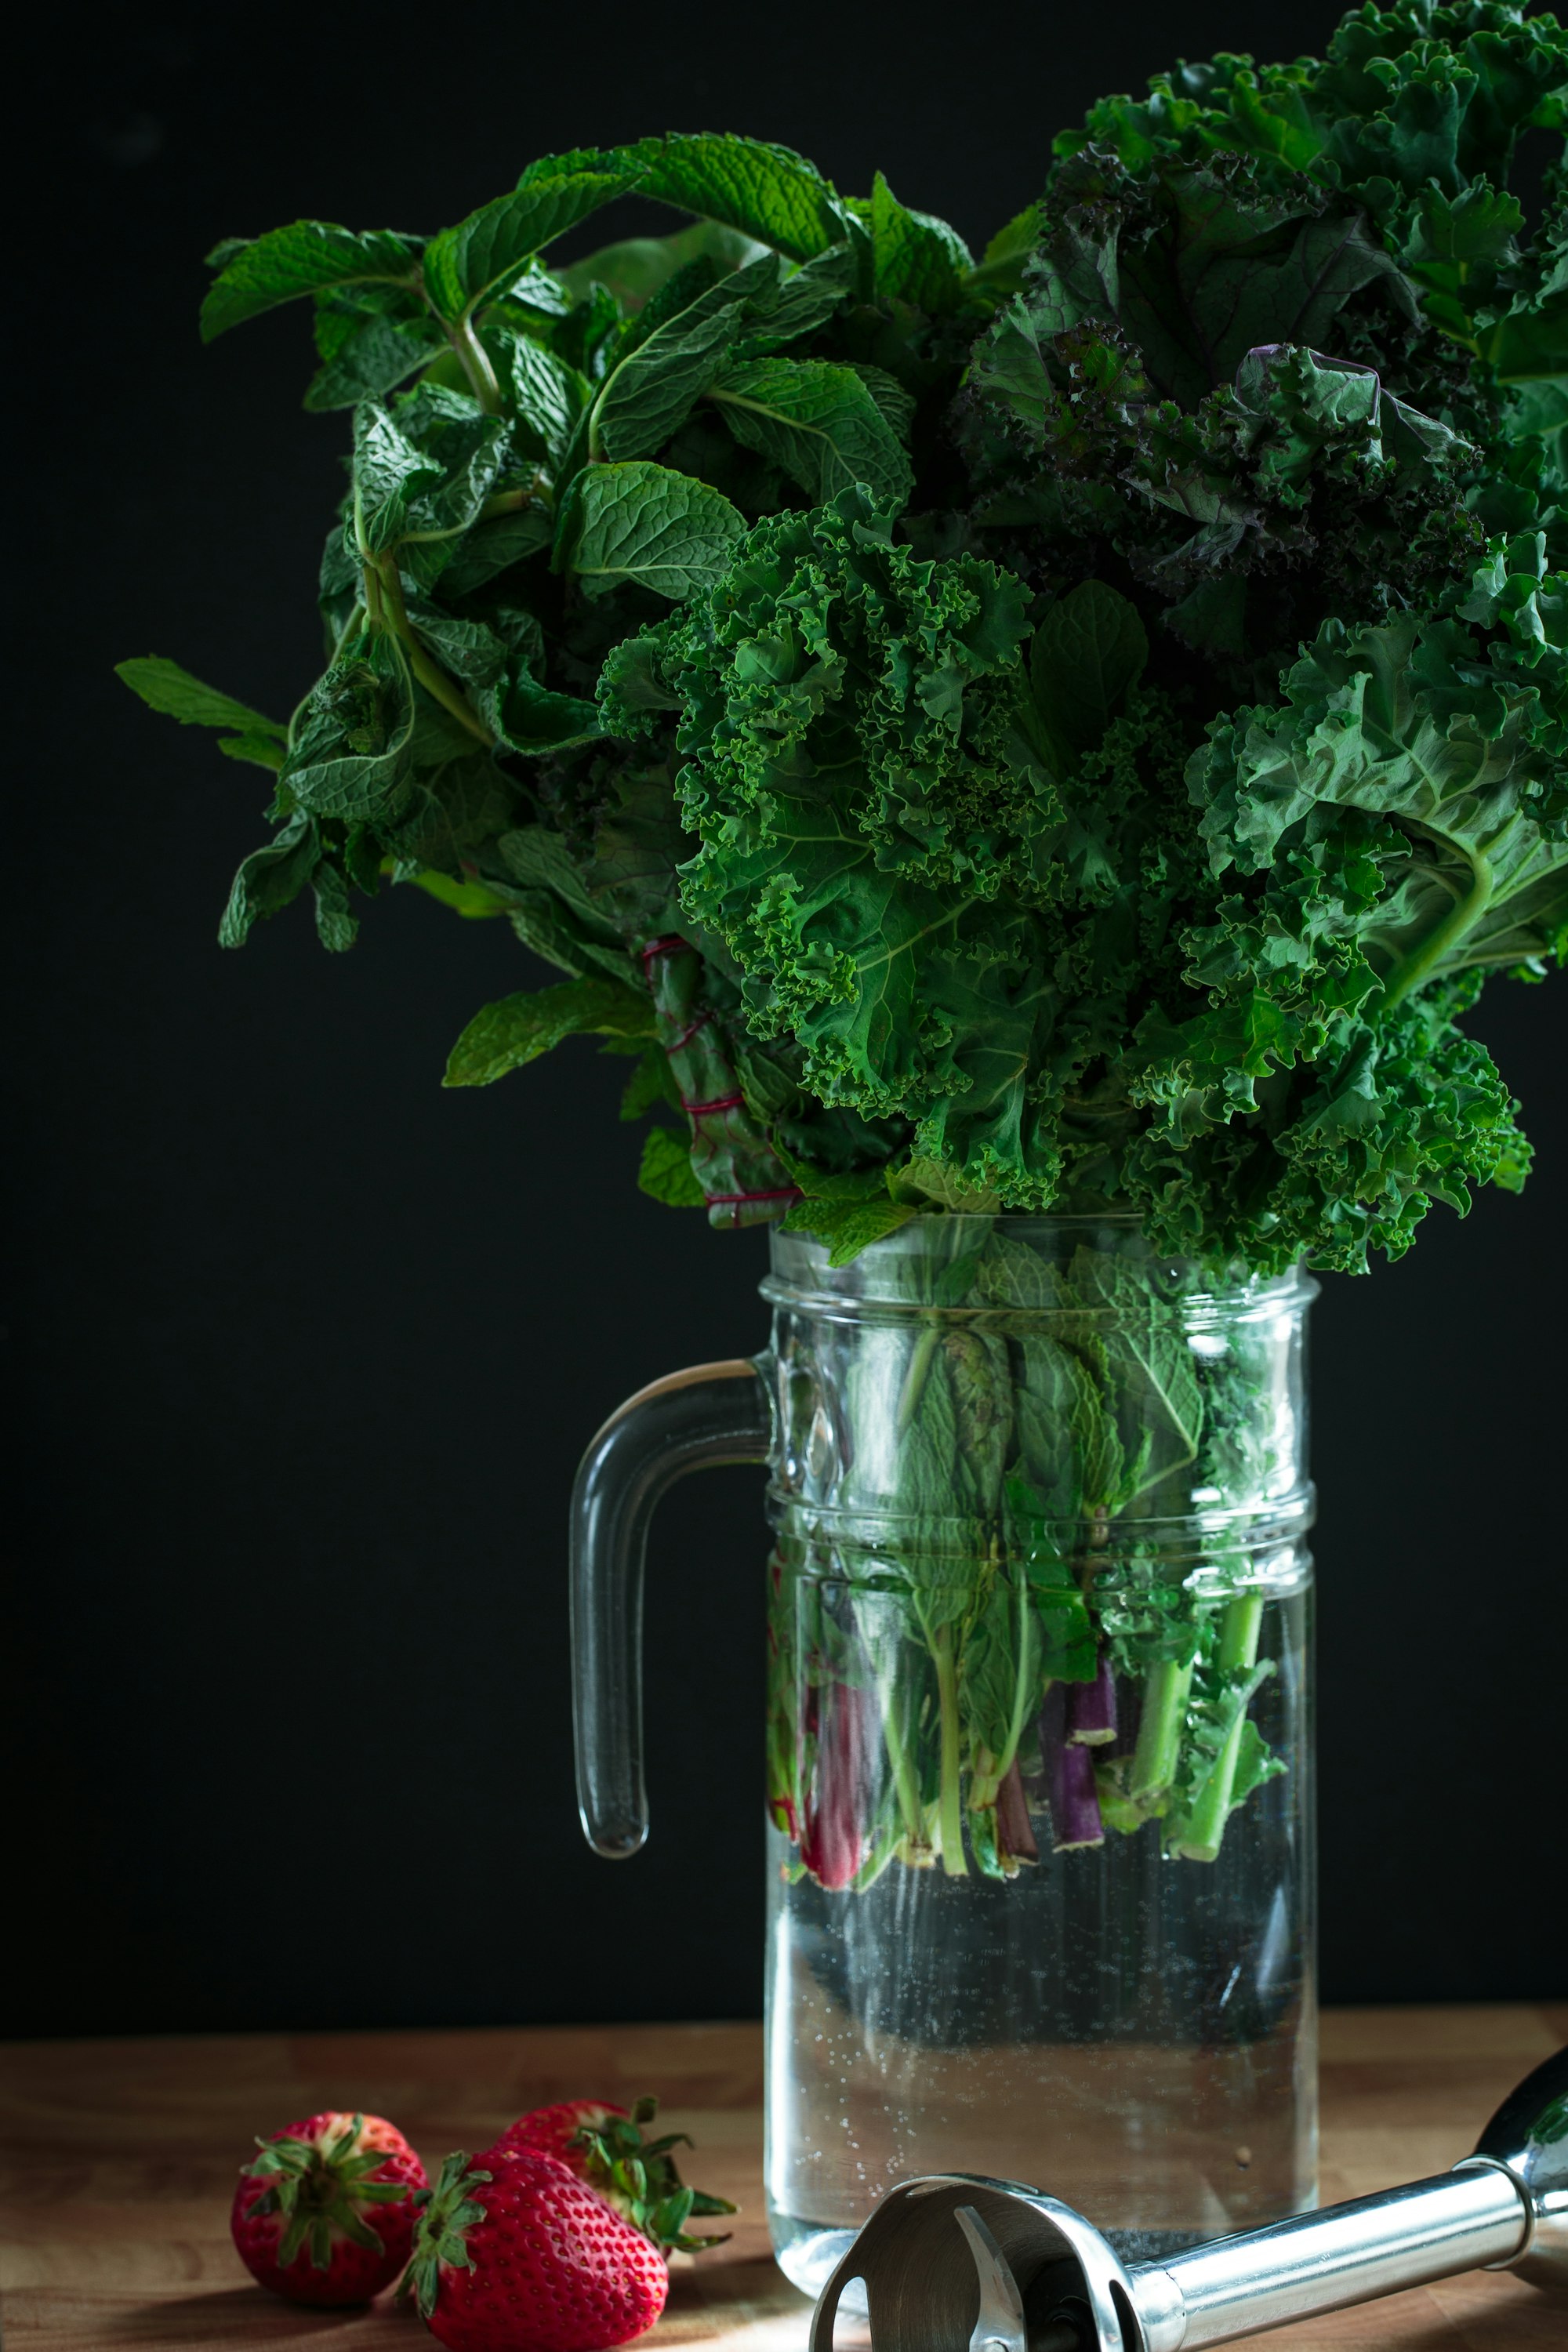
<point x="306" y="1348"/>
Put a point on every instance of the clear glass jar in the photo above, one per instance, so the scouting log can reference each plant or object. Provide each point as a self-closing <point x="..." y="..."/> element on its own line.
<point x="1039" y="1773"/>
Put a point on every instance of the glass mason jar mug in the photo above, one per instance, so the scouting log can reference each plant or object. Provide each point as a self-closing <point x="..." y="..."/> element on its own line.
<point x="1038" y="1766"/>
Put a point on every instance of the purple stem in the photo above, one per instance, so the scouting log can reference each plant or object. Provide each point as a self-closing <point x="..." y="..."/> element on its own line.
<point x="1074" y="1803"/>
<point x="1013" y="1834"/>
<point x="1092" y="1709"/>
<point x="1069" y="1776"/>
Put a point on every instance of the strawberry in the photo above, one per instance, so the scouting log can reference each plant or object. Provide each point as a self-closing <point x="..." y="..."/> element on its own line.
<point x="325" y="2215"/>
<point x="603" y="2145"/>
<point x="560" y="2131"/>
<point x="519" y="2252"/>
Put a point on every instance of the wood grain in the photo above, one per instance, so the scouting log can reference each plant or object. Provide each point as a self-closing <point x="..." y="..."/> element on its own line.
<point x="118" y="2158"/>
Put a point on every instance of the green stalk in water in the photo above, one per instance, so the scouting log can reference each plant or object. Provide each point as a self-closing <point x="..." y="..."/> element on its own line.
<point x="950" y="1801"/>
<point x="1166" y="1687"/>
<point x="1199" y="1836"/>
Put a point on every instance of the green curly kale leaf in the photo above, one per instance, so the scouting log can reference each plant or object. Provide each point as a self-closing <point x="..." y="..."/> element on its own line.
<point x="1081" y="724"/>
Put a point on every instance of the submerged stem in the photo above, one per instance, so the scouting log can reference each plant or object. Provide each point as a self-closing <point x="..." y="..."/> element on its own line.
<point x="1166" y="1690"/>
<point x="949" y="1807"/>
<point x="915" y="1378"/>
<point x="906" y="1787"/>
<point x="1198" y="1837"/>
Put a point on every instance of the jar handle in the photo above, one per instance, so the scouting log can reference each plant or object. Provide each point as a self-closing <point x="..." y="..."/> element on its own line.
<point x="708" y="1413"/>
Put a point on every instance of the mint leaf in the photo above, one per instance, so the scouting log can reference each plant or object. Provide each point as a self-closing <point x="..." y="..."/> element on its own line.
<point x="802" y="301"/>
<point x="353" y="750"/>
<point x="548" y="394"/>
<point x="471" y="263"/>
<point x="303" y="259"/>
<point x="643" y="526"/>
<point x="518" y="1029"/>
<point x="488" y="549"/>
<point x="530" y="719"/>
<point x="636" y="268"/>
<point x="169" y="689"/>
<point x="820" y="423"/>
<point x="667" y="1174"/>
<point x="379" y="355"/>
<point x="270" y="879"/>
<point x="848" y="1227"/>
<point x="165" y="686"/>
<point x="650" y="1083"/>
<point x="423" y="470"/>
<point x="768" y="192"/>
<point x="654" y="388"/>
<point x="917" y="257"/>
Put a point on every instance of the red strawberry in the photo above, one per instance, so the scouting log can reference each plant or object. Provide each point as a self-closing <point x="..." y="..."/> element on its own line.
<point x="554" y="2131"/>
<point x="605" y="2147"/>
<point x="326" y="2212"/>
<point x="521" y="2252"/>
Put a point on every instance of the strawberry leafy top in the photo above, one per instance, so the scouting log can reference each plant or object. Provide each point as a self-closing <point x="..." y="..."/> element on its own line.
<point x="318" y="2188"/>
<point x="640" y="2179"/>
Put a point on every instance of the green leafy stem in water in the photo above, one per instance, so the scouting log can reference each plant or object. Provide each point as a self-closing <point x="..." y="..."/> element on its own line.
<point x="1021" y="1644"/>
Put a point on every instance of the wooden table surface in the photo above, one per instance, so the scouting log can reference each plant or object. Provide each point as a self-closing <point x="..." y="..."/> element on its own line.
<point x="120" y="2156"/>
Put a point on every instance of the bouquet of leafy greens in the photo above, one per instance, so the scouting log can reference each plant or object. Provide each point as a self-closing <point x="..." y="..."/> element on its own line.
<point x="1066" y="730"/>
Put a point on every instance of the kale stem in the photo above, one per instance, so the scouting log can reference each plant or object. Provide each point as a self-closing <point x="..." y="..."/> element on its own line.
<point x="1463" y="917"/>
<point x="1165" y="1688"/>
<point x="950" y="1812"/>
<point x="476" y="364"/>
<point x="1198" y="1838"/>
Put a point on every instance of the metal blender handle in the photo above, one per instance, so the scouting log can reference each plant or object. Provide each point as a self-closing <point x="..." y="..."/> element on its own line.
<point x="951" y="2261"/>
<point x="709" y="1415"/>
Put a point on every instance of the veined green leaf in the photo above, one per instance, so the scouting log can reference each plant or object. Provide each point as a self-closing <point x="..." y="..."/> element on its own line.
<point x="518" y="1029"/>
<point x="423" y="469"/>
<point x="488" y="549"/>
<point x="529" y="718"/>
<point x="654" y="388"/>
<point x="918" y="258"/>
<point x="848" y="1227"/>
<point x="271" y="878"/>
<point x="802" y="300"/>
<point x="337" y="926"/>
<point x="820" y="422"/>
<point x="302" y="259"/>
<point x="768" y="192"/>
<point x="471" y="263"/>
<point x="256" y="751"/>
<point x="651" y="1082"/>
<point x="1406" y="721"/>
<point x="166" y="687"/>
<point x="643" y="526"/>
<point x="352" y="753"/>
<point x="373" y="355"/>
<point x="667" y="1174"/>
<point x="549" y="396"/>
<point x="636" y="268"/>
